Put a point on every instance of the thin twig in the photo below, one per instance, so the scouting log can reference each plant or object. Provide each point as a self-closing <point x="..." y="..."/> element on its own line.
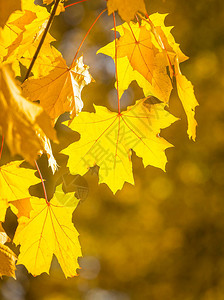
<point x="75" y="3"/>
<point x="73" y="62"/>
<point x="115" y="59"/>
<point x="42" y="39"/>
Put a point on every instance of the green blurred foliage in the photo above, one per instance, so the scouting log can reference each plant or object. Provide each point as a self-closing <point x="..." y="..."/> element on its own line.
<point x="163" y="238"/>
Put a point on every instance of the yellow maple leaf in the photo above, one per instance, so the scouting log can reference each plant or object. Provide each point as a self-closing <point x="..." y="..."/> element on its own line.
<point x="139" y="59"/>
<point x="20" y="120"/>
<point x="7" y="256"/>
<point x="107" y="139"/>
<point x="14" y="185"/>
<point x="185" y="91"/>
<point x="60" y="91"/>
<point x="49" y="231"/>
<point x="143" y="54"/>
<point x="126" y="8"/>
<point x="6" y="8"/>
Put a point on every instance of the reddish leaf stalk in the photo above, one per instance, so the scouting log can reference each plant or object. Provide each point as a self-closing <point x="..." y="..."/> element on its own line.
<point x="73" y="62"/>
<point x="42" y="39"/>
<point x="116" y="73"/>
<point x="43" y="185"/>
<point x="2" y="146"/>
<point x="75" y="3"/>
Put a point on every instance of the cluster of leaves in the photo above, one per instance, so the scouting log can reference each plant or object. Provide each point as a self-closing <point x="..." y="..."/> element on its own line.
<point x="145" y="52"/>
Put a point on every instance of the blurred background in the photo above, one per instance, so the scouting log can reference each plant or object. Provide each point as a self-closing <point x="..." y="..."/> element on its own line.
<point x="163" y="238"/>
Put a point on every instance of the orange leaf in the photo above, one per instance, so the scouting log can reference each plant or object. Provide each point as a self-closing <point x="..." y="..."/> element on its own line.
<point x="21" y="207"/>
<point x="60" y="91"/>
<point x="139" y="59"/>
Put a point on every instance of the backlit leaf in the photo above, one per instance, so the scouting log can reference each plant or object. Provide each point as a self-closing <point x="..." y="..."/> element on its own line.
<point x="48" y="231"/>
<point x="185" y="91"/>
<point x="108" y="138"/>
<point x="60" y="91"/>
<point x="144" y="52"/>
<point x="139" y="59"/>
<point x="20" y="120"/>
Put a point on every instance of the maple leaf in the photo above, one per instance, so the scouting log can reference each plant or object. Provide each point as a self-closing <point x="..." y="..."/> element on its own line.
<point x="139" y="59"/>
<point x="49" y="231"/>
<point x="186" y="94"/>
<point x="60" y="91"/>
<point x="126" y="8"/>
<point x="107" y="139"/>
<point x="14" y="184"/>
<point x="7" y="256"/>
<point x="143" y="54"/>
<point x="21" y="121"/>
<point x="6" y="8"/>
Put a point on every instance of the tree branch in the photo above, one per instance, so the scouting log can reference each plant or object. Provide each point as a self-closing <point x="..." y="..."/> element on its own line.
<point x="42" y="39"/>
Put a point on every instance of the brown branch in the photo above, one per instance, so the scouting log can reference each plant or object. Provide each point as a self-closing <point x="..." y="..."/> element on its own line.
<point x="42" y="39"/>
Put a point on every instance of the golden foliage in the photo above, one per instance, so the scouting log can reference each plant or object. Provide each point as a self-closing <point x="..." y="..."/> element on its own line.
<point x="48" y="231"/>
<point x="20" y="120"/>
<point x="107" y="139"/>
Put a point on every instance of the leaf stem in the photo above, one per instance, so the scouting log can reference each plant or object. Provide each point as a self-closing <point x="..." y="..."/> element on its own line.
<point x="116" y="73"/>
<point x="2" y="146"/>
<point x="73" y="62"/>
<point x="75" y="3"/>
<point x="42" y="181"/>
<point x="42" y="39"/>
